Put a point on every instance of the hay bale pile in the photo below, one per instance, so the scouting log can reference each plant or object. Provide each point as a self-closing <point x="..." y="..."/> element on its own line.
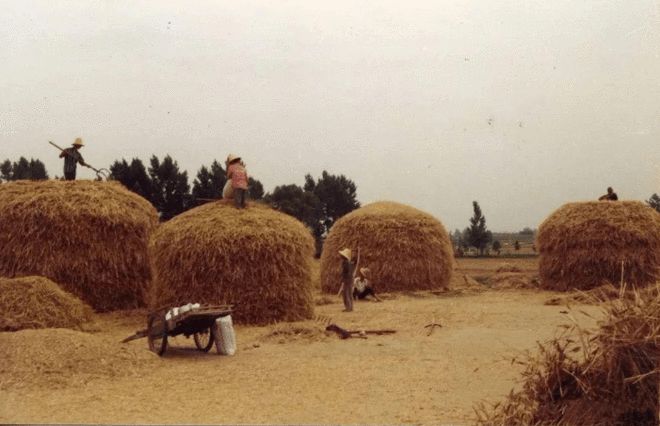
<point x="609" y="377"/>
<point x="37" y="302"/>
<point x="405" y="248"/>
<point x="90" y="237"/>
<point x="582" y="245"/>
<point x="255" y="258"/>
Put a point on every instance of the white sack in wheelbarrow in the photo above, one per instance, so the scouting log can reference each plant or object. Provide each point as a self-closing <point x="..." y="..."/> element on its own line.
<point x="225" y="339"/>
<point x="228" y="191"/>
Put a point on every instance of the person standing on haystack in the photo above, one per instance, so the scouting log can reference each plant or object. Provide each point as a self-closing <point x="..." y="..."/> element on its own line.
<point x="72" y="157"/>
<point x="239" y="179"/>
<point x="348" y="269"/>
<point x="610" y="196"/>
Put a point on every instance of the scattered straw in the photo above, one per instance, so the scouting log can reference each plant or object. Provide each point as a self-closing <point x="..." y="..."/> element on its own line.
<point x="60" y="358"/>
<point x="405" y="248"/>
<point x="37" y="302"/>
<point x="584" y="245"/>
<point x="255" y="258"/>
<point x="89" y="237"/>
<point x="606" y="377"/>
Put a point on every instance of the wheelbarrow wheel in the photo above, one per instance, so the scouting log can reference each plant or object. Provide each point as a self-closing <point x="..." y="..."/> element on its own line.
<point x="204" y="339"/>
<point x="157" y="334"/>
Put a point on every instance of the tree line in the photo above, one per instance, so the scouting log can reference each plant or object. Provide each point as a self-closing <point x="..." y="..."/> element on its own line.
<point x="318" y="203"/>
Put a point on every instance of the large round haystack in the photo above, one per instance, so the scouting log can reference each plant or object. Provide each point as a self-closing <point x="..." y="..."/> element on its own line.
<point x="405" y="248"/>
<point x="583" y="245"/>
<point x="37" y="302"/>
<point x="255" y="258"/>
<point x="89" y="237"/>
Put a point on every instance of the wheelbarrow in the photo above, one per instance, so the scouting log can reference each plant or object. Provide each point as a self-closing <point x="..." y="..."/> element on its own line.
<point x="195" y="322"/>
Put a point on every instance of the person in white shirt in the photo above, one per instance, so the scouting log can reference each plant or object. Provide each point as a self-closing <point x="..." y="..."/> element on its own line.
<point x="362" y="286"/>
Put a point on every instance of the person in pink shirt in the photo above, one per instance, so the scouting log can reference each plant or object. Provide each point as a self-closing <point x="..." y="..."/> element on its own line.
<point x="239" y="179"/>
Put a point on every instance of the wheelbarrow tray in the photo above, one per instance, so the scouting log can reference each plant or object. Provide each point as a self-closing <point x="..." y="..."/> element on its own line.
<point x="196" y="320"/>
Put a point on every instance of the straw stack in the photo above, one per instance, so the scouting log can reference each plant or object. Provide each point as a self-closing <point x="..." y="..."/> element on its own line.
<point x="404" y="248"/>
<point x="255" y="258"/>
<point x="89" y="237"/>
<point x="37" y="302"/>
<point x="584" y="245"/>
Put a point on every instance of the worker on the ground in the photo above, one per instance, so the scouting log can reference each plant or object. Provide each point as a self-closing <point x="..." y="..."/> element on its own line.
<point x="610" y="196"/>
<point x="239" y="179"/>
<point x="72" y="157"/>
<point x="348" y="269"/>
<point x="362" y="286"/>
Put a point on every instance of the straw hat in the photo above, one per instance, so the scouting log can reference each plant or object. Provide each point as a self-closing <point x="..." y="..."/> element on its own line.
<point x="231" y="158"/>
<point x="78" y="142"/>
<point x="365" y="271"/>
<point x="346" y="253"/>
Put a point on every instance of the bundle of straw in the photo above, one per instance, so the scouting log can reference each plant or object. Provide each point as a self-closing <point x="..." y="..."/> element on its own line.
<point x="606" y="377"/>
<point x="37" y="302"/>
<point x="90" y="237"/>
<point x="584" y="245"/>
<point x="404" y="248"/>
<point x="255" y="258"/>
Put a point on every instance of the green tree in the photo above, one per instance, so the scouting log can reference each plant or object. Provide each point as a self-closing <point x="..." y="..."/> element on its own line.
<point x="170" y="187"/>
<point x="23" y="170"/>
<point x="209" y="182"/>
<point x="133" y="176"/>
<point x="337" y="195"/>
<point x="527" y="231"/>
<point x="497" y="246"/>
<point x="255" y="189"/>
<point x="5" y="171"/>
<point x="478" y="234"/>
<point x="654" y="202"/>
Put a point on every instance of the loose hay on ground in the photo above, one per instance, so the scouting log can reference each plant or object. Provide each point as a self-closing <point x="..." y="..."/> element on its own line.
<point x="405" y="248"/>
<point x="60" y="357"/>
<point x="89" y="237"/>
<point x="583" y="245"/>
<point x="255" y="258"/>
<point x="607" y="377"/>
<point x="37" y="302"/>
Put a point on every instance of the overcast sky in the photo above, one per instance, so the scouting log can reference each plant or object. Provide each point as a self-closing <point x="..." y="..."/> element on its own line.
<point x="521" y="105"/>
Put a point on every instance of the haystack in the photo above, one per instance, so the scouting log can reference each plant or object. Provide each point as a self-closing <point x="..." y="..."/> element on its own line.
<point x="584" y="245"/>
<point x="606" y="377"/>
<point x="404" y="248"/>
<point x="37" y="302"/>
<point x="89" y="237"/>
<point x="255" y="258"/>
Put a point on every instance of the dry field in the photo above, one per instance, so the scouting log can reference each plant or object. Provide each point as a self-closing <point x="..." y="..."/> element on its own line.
<point x="292" y="372"/>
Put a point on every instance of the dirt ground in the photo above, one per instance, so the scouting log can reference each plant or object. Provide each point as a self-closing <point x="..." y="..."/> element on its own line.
<point x="293" y="372"/>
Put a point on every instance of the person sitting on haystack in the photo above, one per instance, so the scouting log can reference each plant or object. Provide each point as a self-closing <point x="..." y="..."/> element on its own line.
<point x="362" y="286"/>
<point x="348" y="269"/>
<point x="610" y="196"/>
<point x="239" y="179"/>
<point x="72" y="157"/>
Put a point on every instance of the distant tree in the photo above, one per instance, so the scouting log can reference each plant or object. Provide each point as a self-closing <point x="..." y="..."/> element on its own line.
<point x="337" y="195"/>
<point x="255" y="189"/>
<point x="516" y="245"/>
<point x="209" y="182"/>
<point x="23" y="170"/>
<point x="478" y="234"/>
<point x="497" y="246"/>
<point x="527" y="231"/>
<point x="465" y="238"/>
<point x="170" y="187"/>
<point x="654" y="202"/>
<point x="133" y="176"/>
<point x="5" y="171"/>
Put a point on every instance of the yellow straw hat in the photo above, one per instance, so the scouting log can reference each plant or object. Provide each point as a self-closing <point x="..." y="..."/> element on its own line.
<point x="346" y="253"/>
<point x="365" y="271"/>
<point x="231" y="158"/>
<point x="78" y="142"/>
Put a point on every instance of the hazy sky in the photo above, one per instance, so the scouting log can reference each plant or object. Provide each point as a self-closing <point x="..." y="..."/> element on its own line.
<point x="521" y="105"/>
